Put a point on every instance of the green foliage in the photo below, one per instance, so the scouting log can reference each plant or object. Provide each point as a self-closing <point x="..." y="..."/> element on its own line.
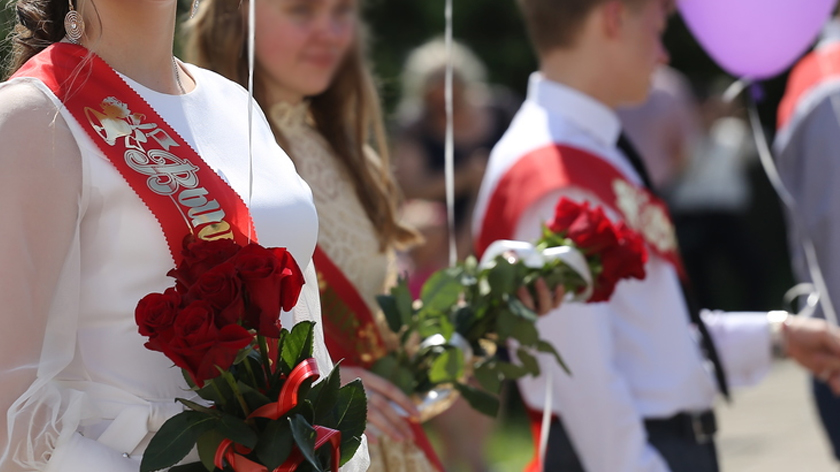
<point x="253" y="383"/>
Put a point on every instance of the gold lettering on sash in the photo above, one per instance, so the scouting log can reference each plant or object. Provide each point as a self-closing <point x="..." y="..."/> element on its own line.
<point x="168" y="173"/>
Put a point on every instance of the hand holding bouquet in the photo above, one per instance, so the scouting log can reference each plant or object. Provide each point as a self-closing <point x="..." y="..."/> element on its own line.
<point x="466" y="312"/>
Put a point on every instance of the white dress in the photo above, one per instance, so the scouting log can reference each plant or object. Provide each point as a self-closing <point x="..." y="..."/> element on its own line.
<point x="79" y="251"/>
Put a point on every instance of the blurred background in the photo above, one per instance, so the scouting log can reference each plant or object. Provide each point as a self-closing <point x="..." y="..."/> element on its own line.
<point x="740" y="235"/>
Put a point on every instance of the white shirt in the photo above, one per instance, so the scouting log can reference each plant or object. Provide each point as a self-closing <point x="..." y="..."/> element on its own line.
<point x="636" y="356"/>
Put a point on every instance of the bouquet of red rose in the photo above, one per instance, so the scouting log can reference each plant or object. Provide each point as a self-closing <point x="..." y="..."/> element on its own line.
<point x="466" y="312"/>
<point x="220" y="324"/>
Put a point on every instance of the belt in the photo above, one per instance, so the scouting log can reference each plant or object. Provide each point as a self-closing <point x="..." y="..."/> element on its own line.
<point x="699" y="427"/>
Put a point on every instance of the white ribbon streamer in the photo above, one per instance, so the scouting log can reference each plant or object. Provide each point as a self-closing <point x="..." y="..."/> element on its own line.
<point x="449" y="154"/>
<point x="534" y="259"/>
<point x="766" y="158"/>
<point x="251" y="42"/>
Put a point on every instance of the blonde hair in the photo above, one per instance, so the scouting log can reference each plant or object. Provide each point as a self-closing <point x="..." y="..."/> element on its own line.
<point x="347" y="114"/>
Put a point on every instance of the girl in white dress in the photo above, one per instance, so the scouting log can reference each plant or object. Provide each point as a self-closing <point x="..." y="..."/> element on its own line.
<point x="80" y="248"/>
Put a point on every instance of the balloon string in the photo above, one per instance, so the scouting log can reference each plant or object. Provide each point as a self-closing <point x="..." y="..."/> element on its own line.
<point x="251" y="61"/>
<point x="449" y="155"/>
<point x="545" y="427"/>
<point x="766" y="158"/>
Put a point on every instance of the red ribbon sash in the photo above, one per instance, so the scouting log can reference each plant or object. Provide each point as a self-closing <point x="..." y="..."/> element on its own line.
<point x="820" y="65"/>
<point x="555" y="167"/>
<point x="179" y="188"/>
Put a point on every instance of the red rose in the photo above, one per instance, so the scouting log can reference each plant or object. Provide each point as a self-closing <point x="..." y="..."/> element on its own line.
<point x="156" y="312"/>
<point x="592" y="231"/>
<point x="221" y="287"/>
<point x="273" y="282"/>
<point x="626" y="259"/>
<point x="565" y="213"/>
<point x="199" y="256"/>
<point x="199" y="347"/>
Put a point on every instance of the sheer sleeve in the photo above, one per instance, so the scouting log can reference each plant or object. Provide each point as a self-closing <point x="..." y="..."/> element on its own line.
<point x="40" y="203"/>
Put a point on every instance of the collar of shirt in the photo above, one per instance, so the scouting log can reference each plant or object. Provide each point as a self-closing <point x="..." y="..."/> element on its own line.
<point x="586" y="113"/>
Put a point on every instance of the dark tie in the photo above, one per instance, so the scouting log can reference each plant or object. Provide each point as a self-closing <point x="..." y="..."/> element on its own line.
<point x="708" y="345"/>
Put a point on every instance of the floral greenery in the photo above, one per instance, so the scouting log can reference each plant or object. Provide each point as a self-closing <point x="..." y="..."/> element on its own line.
<point x="254" y="381"/>
<point x="479" y="304"/>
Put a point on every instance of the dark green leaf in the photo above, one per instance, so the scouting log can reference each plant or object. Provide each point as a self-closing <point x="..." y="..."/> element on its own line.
<point x="501" y="277"/>
<point x="522" y="311"/>
<point x="511" y="371"/>
<point x="544" y="346"/>
<point x="528" y="361"/>
<point x="297" y="346"/>
<point x="325" y="395"/>
<point x="243" y="354"/>
<point x="506" y="322"/>
<point x="275" y="444"/>
<point x="191" y="467"/>
<point x="479" y="399"/>
<point x="389" y="368"/>
<point x="441" y="291"/>
<point x="237" y="431"/>
<point x="253" y="397"/>
<point x="404" y="301"/>
<point x="207" y="445"/>
<point x="304" y="436"/>
<point x="392" y="314"/>
<point x="489" y="377"/>
<point x="175" y="440"/>
<point x="351" y="413"/>
<point x="525" y="332"/>
<point x="447" y="367"/>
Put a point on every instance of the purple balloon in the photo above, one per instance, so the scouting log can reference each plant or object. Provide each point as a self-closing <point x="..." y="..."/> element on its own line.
<point x="755" y="39"/>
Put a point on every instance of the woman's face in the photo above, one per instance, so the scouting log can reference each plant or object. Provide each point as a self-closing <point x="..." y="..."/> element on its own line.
<point x="301" y="43"/>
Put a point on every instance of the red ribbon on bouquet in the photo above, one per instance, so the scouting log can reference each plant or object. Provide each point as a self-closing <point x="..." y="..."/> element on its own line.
<point x="233" y="454"/>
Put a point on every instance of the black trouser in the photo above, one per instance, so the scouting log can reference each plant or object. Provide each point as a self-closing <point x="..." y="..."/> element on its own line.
<point x="680" y="449"/>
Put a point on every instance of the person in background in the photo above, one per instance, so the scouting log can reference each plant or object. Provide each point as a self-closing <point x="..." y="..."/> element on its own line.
<point x="807" y="149"/>
<point x="315" y="86"/>
<point x="481" y="114"/>
<point x="647" y="366"/>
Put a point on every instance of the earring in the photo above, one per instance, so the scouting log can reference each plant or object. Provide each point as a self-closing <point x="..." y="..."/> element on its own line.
<point x="74" y="25"/>
<point x="194" y="8"/>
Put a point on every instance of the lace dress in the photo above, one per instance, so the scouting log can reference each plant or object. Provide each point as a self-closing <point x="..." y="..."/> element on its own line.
<point x="349" y="239"/>
<point x="80" y="250"/>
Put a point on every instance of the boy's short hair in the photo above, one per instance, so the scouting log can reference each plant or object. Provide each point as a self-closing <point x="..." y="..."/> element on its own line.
<point x="556" y="23"/>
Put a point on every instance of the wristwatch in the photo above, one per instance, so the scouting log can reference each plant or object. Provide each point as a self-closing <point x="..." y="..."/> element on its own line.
<point x="777" y="321"/>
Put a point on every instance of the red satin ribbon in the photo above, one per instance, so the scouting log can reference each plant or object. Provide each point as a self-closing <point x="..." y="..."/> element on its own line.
<point x="233" y="453"/>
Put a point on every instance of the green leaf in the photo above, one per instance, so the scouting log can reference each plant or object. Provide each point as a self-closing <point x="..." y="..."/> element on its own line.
<point x="324" y="396"/>
<point x="511" y="371"/>
<point x="275" y="444"/>
<point x="441" y="291"/>
<point x="191" y="467"/>
<point x="243" y="354"/>
<point x="528" y="361"/>
<point x="525" y="332"/>
<point x="207" y="445"/>
<point x="479" y="399"/>
<point x="388" y="367"/>
<point x="447" y="366"/>
<point x="304" y="436"/>
<point x="392" y="314"/>
<point x="200" y="408"/>
<point x="297" y="345"/>
<point x="404" y="300"/>
<point x="175" y="440"/>
<point x="522" y="311"/>
<point x="544" y="346"/>
<point x="506" y="322"/>
<point x="237" y="431"/>
<point x="351" y="415"/>
<point x="501" y="277"/>
<point x="216" y="391"/>
<point x="253" y="397"/>
<point x="488" y="376"/>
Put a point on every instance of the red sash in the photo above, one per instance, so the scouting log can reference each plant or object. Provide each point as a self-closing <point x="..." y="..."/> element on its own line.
<point x="179" y="188"/>
<point x="820" y="65"/>
<point x="555" y="167"/>
<point x="351" y="332"/>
